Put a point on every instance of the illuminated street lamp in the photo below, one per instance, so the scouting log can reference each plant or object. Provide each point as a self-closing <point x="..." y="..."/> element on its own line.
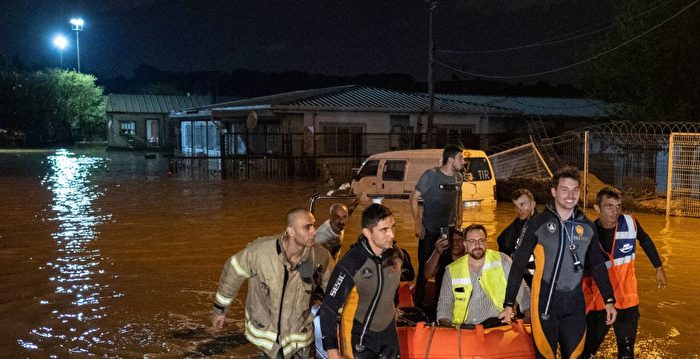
<point x="60" y="42"/>
<point x="77" y="26"/>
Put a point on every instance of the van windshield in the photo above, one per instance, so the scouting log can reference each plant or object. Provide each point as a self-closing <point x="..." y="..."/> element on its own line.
<point x="368" y="169"/>
<point x="476" y="169"/>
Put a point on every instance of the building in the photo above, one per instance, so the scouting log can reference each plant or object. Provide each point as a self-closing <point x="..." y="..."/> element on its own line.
<point x="342" y="120"/>
<point x="337" y="127"/>
<point x="141" y="121"/>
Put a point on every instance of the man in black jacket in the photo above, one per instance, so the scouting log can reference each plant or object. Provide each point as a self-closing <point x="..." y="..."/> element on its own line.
<point x="363" y="286"/>
<point x="509" y="239"/>
<point x="563" y="241"/>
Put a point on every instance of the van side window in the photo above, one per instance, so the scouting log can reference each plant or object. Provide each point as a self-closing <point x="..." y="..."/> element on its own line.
<point x="476" y="169"/>
<point x="369" y="169"/>
<point x="394" y="170"/>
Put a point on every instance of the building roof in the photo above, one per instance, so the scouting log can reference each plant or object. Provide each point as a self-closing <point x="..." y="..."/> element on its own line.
<point x="372" y="99"/>
<point x="541" y="106"/>
<point x="356" y="98"/>
<point x="153" y="103"/>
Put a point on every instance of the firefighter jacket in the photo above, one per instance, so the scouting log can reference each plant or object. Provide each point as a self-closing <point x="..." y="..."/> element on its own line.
<point x="278" y="305"/>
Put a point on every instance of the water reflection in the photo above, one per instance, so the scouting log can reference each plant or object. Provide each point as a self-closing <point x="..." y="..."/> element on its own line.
<point x="76" y="269"/>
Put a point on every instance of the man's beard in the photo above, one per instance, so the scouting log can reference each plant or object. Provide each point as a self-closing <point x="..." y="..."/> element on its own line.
<point x="481" y="253"/>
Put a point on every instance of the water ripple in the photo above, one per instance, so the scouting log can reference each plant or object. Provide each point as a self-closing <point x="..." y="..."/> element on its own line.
<point x="76" y="269"/>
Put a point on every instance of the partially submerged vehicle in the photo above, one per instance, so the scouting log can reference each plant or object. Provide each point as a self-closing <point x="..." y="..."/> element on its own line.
<point x="395" y="174"/>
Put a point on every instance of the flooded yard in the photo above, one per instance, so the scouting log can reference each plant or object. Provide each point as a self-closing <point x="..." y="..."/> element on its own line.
<point x="104" y="253"/>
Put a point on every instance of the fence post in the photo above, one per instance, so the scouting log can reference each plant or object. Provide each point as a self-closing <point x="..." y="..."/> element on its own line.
<point x="669" y="175"/>
<point x="222" y="149"/>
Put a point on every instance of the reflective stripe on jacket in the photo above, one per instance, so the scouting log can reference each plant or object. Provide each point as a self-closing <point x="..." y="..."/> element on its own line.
<point x="620" y="268"/>
<point x="493" y="281"/>
<point x="277" y="314"/>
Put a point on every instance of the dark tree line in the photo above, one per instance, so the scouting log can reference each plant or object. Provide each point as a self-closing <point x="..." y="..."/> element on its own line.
<point x="247" y="83"/>
<point x="656" y="77"/>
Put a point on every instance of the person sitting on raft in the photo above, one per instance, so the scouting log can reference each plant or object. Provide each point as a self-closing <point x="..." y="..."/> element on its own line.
<point x="474" y="286"/>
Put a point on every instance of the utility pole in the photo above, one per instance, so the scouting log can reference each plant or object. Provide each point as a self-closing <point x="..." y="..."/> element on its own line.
<point x="432" y="4"/>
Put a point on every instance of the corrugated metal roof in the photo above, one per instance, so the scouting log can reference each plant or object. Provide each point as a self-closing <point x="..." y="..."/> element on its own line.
<point x="361" y="97"/>
<point x="153" y="103"/>
<point x="541" y="106"/>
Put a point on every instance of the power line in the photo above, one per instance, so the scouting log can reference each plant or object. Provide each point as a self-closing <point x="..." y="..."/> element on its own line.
<point x="561" y="38"/>
<point x="502" y="77"/>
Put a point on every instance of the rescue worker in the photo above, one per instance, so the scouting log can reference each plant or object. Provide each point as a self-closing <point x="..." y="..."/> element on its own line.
<point x="282" y="272"/>
<point x="441" y="191"/>
<point x="563" y="241"/>
<point x="509" y="240"/>
<point x="618" y="235"/>
<point x="474" y="286"/>
<point x="362" y="287"/>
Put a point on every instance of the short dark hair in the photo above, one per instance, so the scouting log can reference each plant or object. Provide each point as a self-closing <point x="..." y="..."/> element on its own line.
<point x="474" y="227"/>
<point x="521" y="192"/>
<point x="610" y="192"/>
<point x="566" y="172"/>
<point x="294" y="213"/>
<point x="373" y="214"/>
<point x="450" y="151"/>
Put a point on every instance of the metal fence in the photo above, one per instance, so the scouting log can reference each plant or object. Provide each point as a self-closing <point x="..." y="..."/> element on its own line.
<point x="328" y="156"/>
<point x="683" y="192"/>
<point x="630" y="156"/>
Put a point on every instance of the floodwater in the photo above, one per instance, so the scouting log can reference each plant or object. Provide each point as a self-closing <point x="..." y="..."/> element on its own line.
<point x="105" y="254"/>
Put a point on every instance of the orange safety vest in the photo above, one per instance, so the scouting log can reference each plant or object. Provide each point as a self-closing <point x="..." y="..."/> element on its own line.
<point x="621" y="270"/>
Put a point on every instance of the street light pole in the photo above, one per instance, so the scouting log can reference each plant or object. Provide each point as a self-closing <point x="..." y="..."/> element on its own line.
<point x="432" y="4"/>
<point x="60" y="42"/>
<point x="77" y="26"/>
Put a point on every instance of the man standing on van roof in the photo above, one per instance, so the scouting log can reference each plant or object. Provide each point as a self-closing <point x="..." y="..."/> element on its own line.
<point x="441" y="189"/>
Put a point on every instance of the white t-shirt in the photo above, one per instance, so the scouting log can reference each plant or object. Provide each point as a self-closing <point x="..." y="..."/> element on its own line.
<point x="329" y="239"/>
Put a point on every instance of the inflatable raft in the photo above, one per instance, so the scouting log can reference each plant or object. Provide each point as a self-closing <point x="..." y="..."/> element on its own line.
<point x="428" y="341"/>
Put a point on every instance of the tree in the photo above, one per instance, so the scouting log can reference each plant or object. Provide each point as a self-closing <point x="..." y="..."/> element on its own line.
<point x="79" y="103"/>
<point x="51" y="107"/>
<point x="656" y="77"/>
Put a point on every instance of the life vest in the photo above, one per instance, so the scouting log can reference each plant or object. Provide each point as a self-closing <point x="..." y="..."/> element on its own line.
<point x="493" y="281"/>
<point x="621" y="270"/>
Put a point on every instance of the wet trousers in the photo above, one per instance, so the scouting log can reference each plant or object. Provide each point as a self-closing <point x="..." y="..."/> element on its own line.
<point x="377" y="345"/>
<point x="565" y="326"/>
<point x="625" y="327"/>
<point x="425" y="249"/>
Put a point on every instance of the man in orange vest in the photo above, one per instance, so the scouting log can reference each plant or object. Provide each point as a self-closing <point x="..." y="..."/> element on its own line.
<point x="618" y="234"/>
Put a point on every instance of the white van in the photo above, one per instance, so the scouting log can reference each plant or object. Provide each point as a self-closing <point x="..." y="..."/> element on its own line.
<point x="395" y="174"/>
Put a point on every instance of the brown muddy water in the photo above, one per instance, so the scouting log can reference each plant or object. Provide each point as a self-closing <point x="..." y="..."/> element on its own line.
<point x="105" y="254"/>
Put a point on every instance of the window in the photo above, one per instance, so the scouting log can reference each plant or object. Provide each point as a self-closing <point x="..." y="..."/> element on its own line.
<point x="401" y="132"/>
<point x="152" y="132"/>
<point x="394" y="170"/>
<point x="476" y="169"/>
<point x="369" y="169"/>
<point x="342" y="138"/>
<point x="463" y="135"/>
<point x="127" y="128"/>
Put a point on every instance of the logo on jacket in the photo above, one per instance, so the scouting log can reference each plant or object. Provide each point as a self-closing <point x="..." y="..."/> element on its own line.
<point x="551" y="227"/>
<point x="579" y="230"/>
<point x="337" y="284"/>
<point x="626" y="248"/>
<point x="366" y="273"/>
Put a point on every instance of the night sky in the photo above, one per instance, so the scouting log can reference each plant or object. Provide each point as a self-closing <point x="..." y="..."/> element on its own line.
<point x="324" y="36"/>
